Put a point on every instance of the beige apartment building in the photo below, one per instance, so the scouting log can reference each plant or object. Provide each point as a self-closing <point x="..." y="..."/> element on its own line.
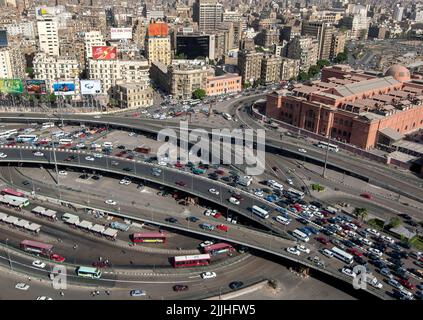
<point x="12" y="63"/>
<point x="133" y="94"/>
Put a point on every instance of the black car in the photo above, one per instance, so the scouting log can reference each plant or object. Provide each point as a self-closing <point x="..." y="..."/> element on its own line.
<point x="214" y="178"/>
<point x="193" y="219"/>
<point x="396" y="262"/>
<point x="360" y="260"/>
<point x="95" y="177"/>
<point x="236" y="285"/>
<point x="379" y="264"/>
<point x="128" y="169"/>
<point x="84" y="176"/>
<point x="25" y="182"/>
<point x="316" y="204"/>
<point x="349" y="244"/>
<point x="327" y="232"/>
<point x="171" y="220"/>
<point x="121" y="147"/>
<point x="412" y="223"/>
<point x="405" y="245"/>
<point x="405" y="216"/>
<point x="303" y="221"/>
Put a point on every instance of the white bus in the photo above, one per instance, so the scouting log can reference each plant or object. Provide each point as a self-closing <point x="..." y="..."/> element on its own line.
<point x="300" y="235"/>
<point x="275" y="185"/>
<point x="331" y="147"/>
<point x="227" y="116"/>
<point x="260" y="212"/>
<point x="27" y="138"/>
<point x="8" y="133"/>
<point x="65" y="141"/>
<point x="331" y="209"/>
<point x="342" y="255"/>
<point x="296" y="193"/>
<point x="47" y="125"/>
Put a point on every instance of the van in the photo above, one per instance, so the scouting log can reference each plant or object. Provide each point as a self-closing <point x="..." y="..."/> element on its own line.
<point x="283" y="220"/>
<point x="415" y="254"/>
<point x="327" y="253"/>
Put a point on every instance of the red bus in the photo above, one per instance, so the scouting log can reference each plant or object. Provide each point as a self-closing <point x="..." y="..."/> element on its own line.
<point x="12" y="192"/>
<point x="37" y="247"/>
<point x="149" y="237"/>
<point x="191" y="261"/>
<point x="218" y="248"/>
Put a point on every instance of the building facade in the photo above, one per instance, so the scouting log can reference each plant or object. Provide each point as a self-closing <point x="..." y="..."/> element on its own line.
<point x="228" y="83"/>
<point x="249" y="65"/>
<point x="133" y="94"/>
<point x="208" y="14"/>
<point x="158" y="46"/>
<point x="12" y="63"/>
<point x="48" y="34"/>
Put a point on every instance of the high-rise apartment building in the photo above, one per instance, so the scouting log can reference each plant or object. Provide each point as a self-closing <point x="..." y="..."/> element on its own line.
<point x="323" y="32"/>
<point x="158" y="47"/>
<point x="249" y="65"/>
<point x="270" y="69"/>
<point x="92" y="39"/>
<point x="12" y="63"/>
<point x="208" y="14"/>
<point x="48" y="28"/>
<point x="305" y="49"/>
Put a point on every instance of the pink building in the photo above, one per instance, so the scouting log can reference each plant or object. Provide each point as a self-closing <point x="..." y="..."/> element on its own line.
<point x="228" y="83"/>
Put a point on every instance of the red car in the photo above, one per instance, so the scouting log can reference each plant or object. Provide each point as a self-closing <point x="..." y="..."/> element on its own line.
<point x="355" y="252"/>
<point x="298" y="207"/>
<point x="219" y="172"/>
<point x="322" y="240"/>
<point x="57" y="257"/>
<point x="237" y="196"/>
<point x="180" y="287"/>
<point x="180" y="183"/>
<point x="406" y="284"/>
<point x="178" y="165"/>
<point x="218" y="215"/>
<point x="366" y="195"/>
<point x="130" y="157"/>
<point x="222" y="227"/>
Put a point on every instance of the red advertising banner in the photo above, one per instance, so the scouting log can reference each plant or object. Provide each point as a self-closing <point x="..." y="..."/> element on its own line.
<point x="104" y="53"/>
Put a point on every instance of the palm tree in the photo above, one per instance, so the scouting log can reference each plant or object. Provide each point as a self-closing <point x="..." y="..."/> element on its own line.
<point x="361" y="213"/>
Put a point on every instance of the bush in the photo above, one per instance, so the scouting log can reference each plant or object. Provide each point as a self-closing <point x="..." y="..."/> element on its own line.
<point x="317" y="187"/>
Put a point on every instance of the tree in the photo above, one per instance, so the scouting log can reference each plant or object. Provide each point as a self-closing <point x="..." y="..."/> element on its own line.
<point x="313" y="71"/>
<point x="30" y="72"/>
<point x="341" y="57"/>
<point x="199" y="94"/>
<point x="247" y="84"/>
<point x="394" y="222"/>
<point x="323" y="63"/>
<point x="361" y="213"/>
<point x="303" y="76"/>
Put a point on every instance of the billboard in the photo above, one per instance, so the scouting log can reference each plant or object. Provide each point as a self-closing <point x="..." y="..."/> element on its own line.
<point x="44" y="11"/>
<point x="65" y="88"/>
<point x="36" y="86"/>
<point x="11" y="86"/>
<point x="90" y="86"/>
<point x="104" y="53"/>
<point x="3" y="38"/>
<point x="120" y="33"/>
<point x="159" y="29"/>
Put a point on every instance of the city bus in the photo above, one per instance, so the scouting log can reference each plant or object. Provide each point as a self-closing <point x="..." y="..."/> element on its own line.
<point x="300" y="235"/>
<point x="218" y="248"/>
<point x="36" y="247"/>
<point x="296" y="193"/>
<point x="262" y="213"/>
<point x="331" y="147"/>
<point x="275" y="185"/>
<point x="191" y="261"/>
<point x="148" y="237"/>
<point x="12" y="192"/>
<point x="27" y="138"/>
<point x="14" y="201"/>
<point x="47" y="125"/>
<point x="8" y="133"/>
<point x="88" y="272"/>
<point x="342" y="255"/>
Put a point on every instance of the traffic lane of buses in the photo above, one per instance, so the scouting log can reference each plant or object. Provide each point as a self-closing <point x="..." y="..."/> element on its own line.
<point x="256" y="240"/>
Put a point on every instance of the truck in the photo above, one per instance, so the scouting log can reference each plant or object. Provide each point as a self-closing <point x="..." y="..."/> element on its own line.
<point x="244" y="181"/>
<point x="119" y="226"/>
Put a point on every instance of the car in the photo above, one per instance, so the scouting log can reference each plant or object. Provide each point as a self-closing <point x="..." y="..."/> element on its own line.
<point x="395" y="284"/>
<point x="63" y="173"/>
<point x="375" y="251"/>
<point x="222" y="227"/>
<point x="38" y="264"/>
<point x="348" y="272"/>
<point x="180" y="287"/>
<point x="208" y="275"/>
<point x="180" y="183"/>
<point x="214" y="191"/>
<point x="360" y="260"/>
<point x="406" y="284"/>
<point x="328" y="253"/>
<point x="137" y="293"/>
<point x="366" y="195"/>
<point x="236" y="285"/>
<point x="44" y="298"/>
<point x="128" y="169"/>
<point x="303" y="248"/>
<point x="57" y="257"/>
<point x="95" y="177"/>
<point x="192" y="219"/>
<point x="322" y="240"/>
<point x="302" y="150"/>
<point x="3" y="155"/>
<point x="22" y="286"/>
<point x="234" y="200"/>
<point x="206" y="243"/>
<point x="373" y="232"/>
<point x="110" y="202"/>
<point x="293" y="251"/>
<point x="89" y="158"/>
<point x="125" y="181"/>
<point x="38" y="154"/>
<point x="171" y="220"/>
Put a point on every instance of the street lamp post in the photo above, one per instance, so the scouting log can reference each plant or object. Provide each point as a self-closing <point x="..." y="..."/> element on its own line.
<point x="8" y="255"/>
<point x="326" y="157"/>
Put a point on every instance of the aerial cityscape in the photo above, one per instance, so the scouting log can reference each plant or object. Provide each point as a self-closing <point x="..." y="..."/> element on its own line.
<point x="211" y="150"/>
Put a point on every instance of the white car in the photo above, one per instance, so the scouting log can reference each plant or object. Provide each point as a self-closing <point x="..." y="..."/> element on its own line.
<point x="293" y="250"/>
<point x="208" y="275"/>
<point x="3" y="155"/>
<point x="375" y="251"/>
<point x="97" y="117"/>
<point x="97" y="155"/>
<point x="110" y="202"/>
<point x="328" y="253"/>
<point x="366" y="241"/>
<point x="80" y="145"/>
<point x="63" y="173"/>
<point x="39" y="264"/>
<point x="124" y="181"/>
<point x="259" y="193"/>
<point x="387" y="239"/>
<point x="89" y="158"/>
<point x="303" y="248"/>
<point x="131" y="134"/>
<point x="214" y="191"/>
<point x="22" y="286"/>
<point x="234" y="200"/>
<point x="351" y="225"/>
<point x="348" y="272"/>
<point x="302" y="150"/>
<point x="289" y="180"/>
<point x="373" y="232"/>
<point x="206" y="243"/>
<point x="38" y="154"/>
<point x="208" y="212"/>
<point x="44" y="298"/>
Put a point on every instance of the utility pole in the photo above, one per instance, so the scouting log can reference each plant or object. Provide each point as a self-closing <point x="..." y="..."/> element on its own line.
<point x="326" y="157"/>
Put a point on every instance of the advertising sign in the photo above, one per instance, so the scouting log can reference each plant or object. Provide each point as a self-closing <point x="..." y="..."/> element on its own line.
<point x="3" y="38"/>
<point x="90" y="86"/>
<point x="36" y="86"/>
<point x="104" y="53"/>
<point x="11" y="86"/>
<point x="120" y="33"/>
<point x="65" y="88"/>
